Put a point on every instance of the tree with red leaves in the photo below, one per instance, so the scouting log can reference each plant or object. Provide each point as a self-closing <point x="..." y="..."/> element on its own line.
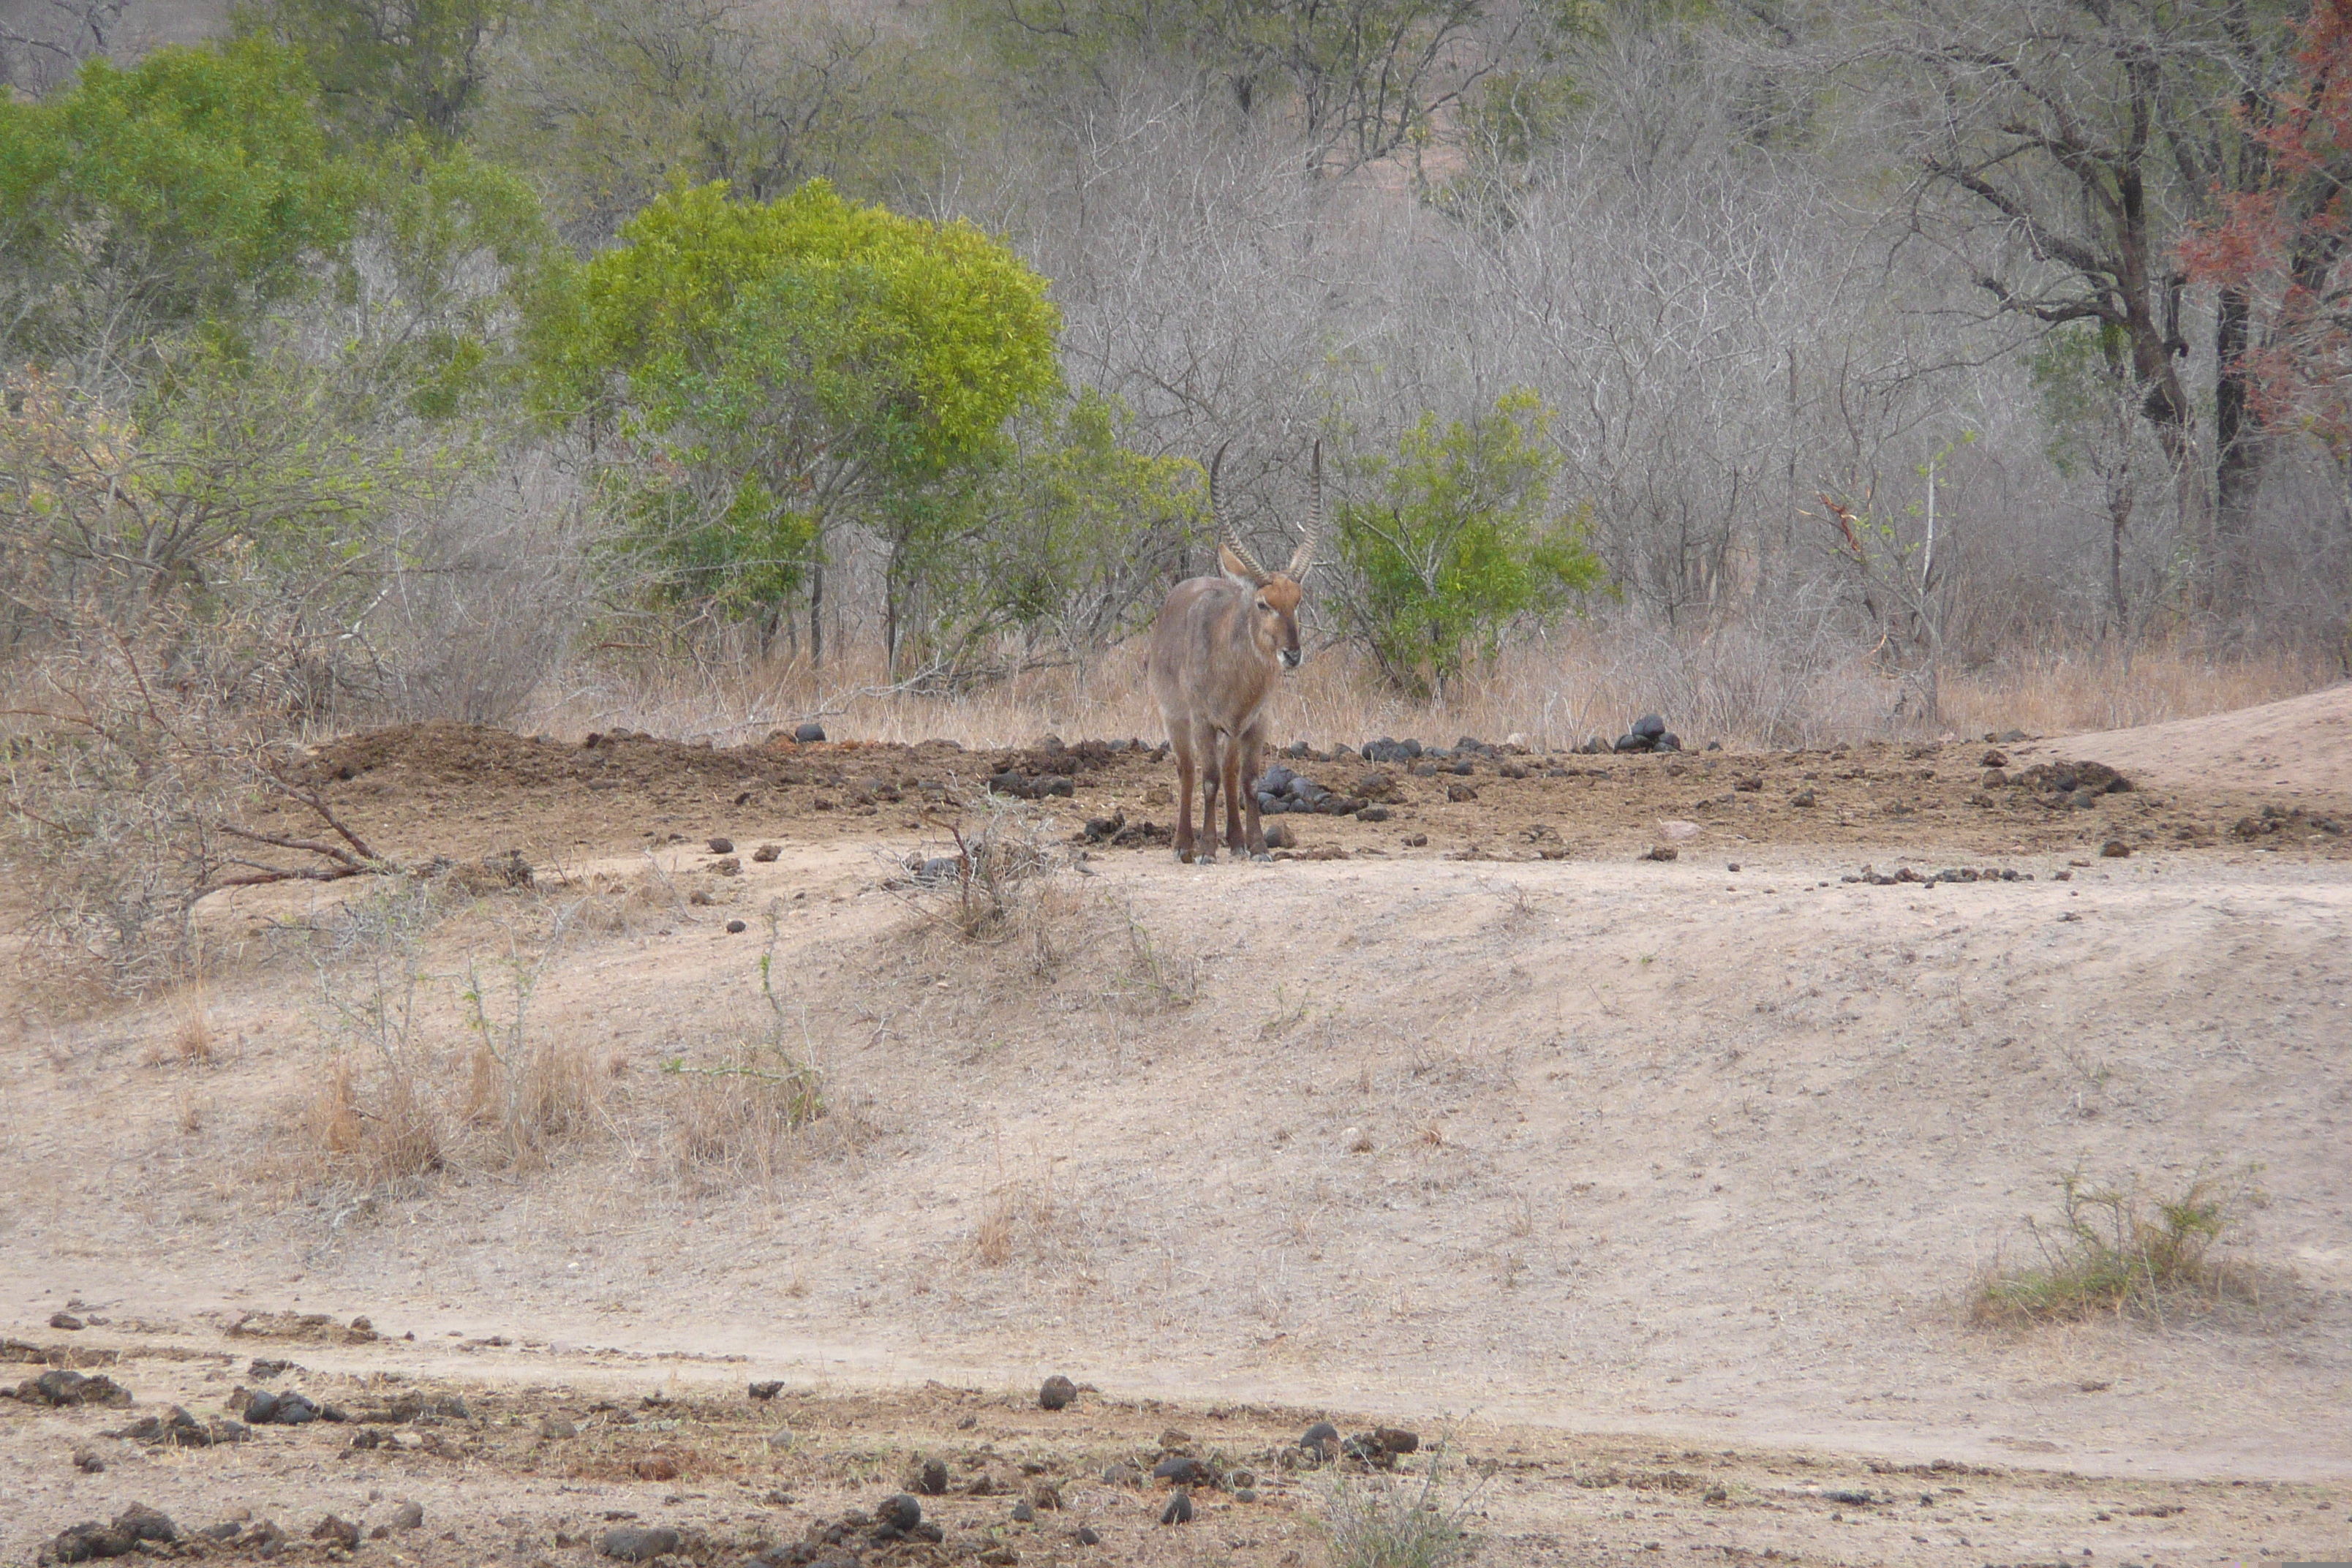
<point x="2279" y="248"/>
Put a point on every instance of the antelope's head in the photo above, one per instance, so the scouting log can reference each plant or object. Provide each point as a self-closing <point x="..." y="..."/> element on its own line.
<point x="1275" y="595"/>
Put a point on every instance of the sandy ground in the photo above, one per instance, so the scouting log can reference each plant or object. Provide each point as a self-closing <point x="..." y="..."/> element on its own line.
<point x="1592" y="1161"/>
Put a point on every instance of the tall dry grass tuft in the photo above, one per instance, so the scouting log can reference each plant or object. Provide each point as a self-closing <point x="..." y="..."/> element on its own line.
<point x="424" y="1078"/>
<point x="386" y="1132"/>
<point x="750" y="1110"/>
<point x="1752" y="685"/>
<point x="2120" y="1250"/>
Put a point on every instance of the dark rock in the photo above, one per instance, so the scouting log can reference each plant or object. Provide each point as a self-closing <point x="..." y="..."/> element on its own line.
<point x="1416" y="840"/>
<point x="1245" y="1494"/>
<point x="2114" y="849"/>
<point x="1279" y="835"/>
<point x="1089" y="1536"/>
<point x="336" y="1530"/>
<point x="1669" y="741"/>
<point x="1513" y="771"/>
<point x="1373" y="814"/>
<point x="1853" y="1498"/>
<point x="141" y="1522"/>
<point x="1993" y="759"/>
<point x="768" y="1389"/>
<point x="810" y="734"/>
<point x="736" y="928"/>
<point x="1396" y="1439"/>
<point x="88" y="1462"/>
<point x="1633" y="744"/>
<point x="933" y="1482"/>
<point x="1276" y="780"/>
<point x="1178" y="1510"/>
<point x="1045" y="1497"/>
<point x="1056" y="1392"/>
<point x="264" y="1366"/>
<point x="1748" y="785"/>
<point x="2010" y="737"/>
<point x="722" y="847"/>
<point x="767" y="852"/>
<point x="1714" y="745"/>
<point x="727" y="866"/>
<point x="1023" y="1513"/>
<point x="558" y="1428"/>
<point x="65" y="1321"/>
<point x="1803" y="797"/>
<point x="408" y="1516"/>
<point x="1457" y="793"/>
<point x="899" y="1511"/>
<point x="1649" y="726"/>
<point x="1123" y="1476"/>
<point x="1662" y="852"/>
<point x="86" y="1541"/>
<point x="261" y="1408"/>
<point x="1182" y="1472"/>
<point x="637" y="1544"/>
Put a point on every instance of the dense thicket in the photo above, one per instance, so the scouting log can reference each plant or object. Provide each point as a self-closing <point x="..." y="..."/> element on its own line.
<point x="408" y="349"/>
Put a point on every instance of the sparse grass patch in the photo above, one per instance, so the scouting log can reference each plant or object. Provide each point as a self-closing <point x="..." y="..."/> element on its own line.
<point x="741" y="1116"/>
<point x="405" y="1094"/>
<point x="1374" y="1521"/>
<point x="2123" y="1251"/>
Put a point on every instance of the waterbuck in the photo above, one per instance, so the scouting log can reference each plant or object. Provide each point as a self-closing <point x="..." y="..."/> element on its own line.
<point x="1220" y="645"/>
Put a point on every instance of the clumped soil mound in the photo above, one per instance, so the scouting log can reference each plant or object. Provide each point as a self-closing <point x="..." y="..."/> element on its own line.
<point x="461" y="791"/>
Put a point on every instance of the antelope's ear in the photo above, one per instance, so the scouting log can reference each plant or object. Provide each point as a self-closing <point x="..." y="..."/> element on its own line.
<point x="1235" y="567"/>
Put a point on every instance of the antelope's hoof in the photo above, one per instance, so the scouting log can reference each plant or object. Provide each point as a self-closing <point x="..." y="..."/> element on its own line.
<point x="1260" y="855"/>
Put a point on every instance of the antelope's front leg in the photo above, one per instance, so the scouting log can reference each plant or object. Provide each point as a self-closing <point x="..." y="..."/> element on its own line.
<point x="1241" y="764"/>
<point x="1184" y="768"/>
<point x="1253" y="752"/>
<point x="1206" y="852"/>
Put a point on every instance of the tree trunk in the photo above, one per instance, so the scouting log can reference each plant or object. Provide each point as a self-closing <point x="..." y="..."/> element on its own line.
<point x="2237" y="433"/>
<point x="816" y="616"/>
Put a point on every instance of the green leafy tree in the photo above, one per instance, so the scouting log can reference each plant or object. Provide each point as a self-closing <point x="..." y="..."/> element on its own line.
<point x="1083" y="532"/>
<point x="196" y="187"/>
<point x="785" y="366"/>
<point x="1460" y="538"/>
<point x="1359" y="79"/>
<point x="454" y="251"/>
<point x="387" y="68"/>
<point x="610" y="102"/>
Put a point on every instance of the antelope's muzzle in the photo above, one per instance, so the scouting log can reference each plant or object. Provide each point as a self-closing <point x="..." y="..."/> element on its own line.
<point x="1290" y="657"/>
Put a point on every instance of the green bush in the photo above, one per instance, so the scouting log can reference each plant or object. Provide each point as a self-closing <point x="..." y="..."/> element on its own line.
<point x="2119" y="1251"/>
<point x="1459" y="540"/>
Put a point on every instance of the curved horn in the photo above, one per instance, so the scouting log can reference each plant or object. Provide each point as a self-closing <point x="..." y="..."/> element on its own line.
<point x="1304" y="556"/>
<point x="1227" y="539"/>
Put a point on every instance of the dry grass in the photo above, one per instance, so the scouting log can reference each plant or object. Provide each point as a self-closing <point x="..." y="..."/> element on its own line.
<point x="1374" y="1521"/>
<point x="1749" y="686"/>
<point x="2122" y="1251"/>
<point x="745" y="1110"/>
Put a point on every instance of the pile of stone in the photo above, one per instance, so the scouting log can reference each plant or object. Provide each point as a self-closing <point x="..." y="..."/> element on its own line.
<point x="1649" y="734"/>
<point x="1279" y="790"/>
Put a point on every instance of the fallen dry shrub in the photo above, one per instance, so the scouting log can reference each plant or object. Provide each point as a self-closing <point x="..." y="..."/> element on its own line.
<point x="2122" y="1251"/>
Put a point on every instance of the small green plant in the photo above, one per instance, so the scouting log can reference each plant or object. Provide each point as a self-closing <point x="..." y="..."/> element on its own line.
<point x="1374" y="1521"/>
<point x="2123" y="1251"/>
